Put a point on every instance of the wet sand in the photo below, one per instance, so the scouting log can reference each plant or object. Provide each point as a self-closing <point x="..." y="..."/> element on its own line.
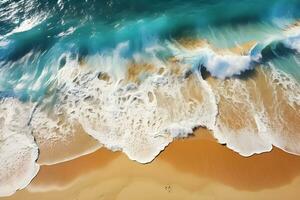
<point x="239" y="49"/>
<point x="193" y="168"/>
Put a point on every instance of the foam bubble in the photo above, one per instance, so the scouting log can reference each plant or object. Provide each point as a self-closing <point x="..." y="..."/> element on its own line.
<point x="138" y="119"/>
<point x="18" y="151"/>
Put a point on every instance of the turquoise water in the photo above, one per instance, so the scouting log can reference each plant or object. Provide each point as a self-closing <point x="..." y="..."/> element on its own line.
<point x="34" y="34"/>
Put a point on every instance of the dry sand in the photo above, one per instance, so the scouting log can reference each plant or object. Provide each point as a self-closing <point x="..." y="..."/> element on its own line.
<point x="194" y="168"/>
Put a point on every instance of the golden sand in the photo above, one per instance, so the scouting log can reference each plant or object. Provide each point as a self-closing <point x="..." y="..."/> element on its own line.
<point x="135" y="71"/>
<point x="191" y="43"/>
<point x="194" y="168"/>
<point x="243" y="49"/>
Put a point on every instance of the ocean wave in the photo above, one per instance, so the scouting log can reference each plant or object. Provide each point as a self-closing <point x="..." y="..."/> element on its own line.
<point x="18" y="151"/>
<point x="133" y="117"/>
<point x="220" y="65"/>
<point x="140" y="105"/>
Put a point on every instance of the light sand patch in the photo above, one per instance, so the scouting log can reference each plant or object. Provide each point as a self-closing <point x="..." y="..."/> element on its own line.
<point x="238" y="49"/>
<point x="135" y="72"/>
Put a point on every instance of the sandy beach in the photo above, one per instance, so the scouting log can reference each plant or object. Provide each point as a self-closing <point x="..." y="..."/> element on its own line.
<point x="193" y="168"/>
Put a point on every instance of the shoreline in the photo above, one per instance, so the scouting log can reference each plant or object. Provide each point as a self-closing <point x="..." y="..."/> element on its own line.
<point x="193" y="166"/>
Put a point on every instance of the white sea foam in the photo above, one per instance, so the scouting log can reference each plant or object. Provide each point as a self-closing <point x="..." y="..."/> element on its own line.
<point x="253" y="129"/>
<point x="257" y="123"/>
<point x="247" y="133"/>
<point x="139" y="120"/>
<point x="293" y="42"/>
<point x="18" y="151"/>
<point x="127" y="119"/>
<point x="219" y="65"/>
<point x="286" y="123"/>
<point x="26" y="25"/>
<point x="50" y="127"/>
<point x="222" y="66"/>
<point x="291" y="38"/>
<point x="290" y="86"/>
